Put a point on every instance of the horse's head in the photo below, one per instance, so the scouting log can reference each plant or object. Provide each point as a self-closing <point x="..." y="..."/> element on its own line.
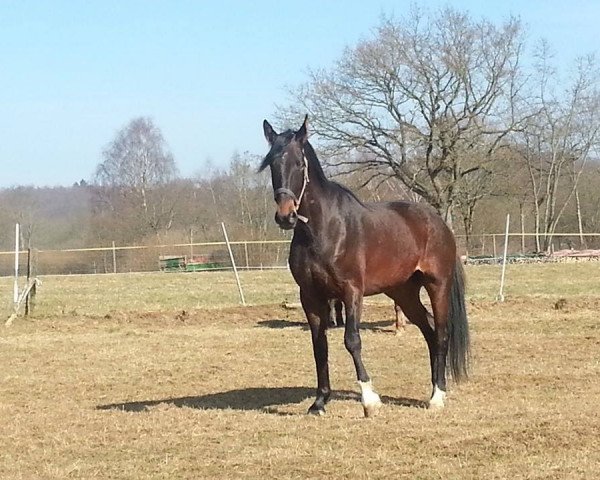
<point x="289" y="172"/>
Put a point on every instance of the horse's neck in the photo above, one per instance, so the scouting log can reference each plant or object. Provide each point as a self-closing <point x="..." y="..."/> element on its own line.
<point x="322" y="196"/>
<point x="317" y="193"/>
<point x="328" y="205"/>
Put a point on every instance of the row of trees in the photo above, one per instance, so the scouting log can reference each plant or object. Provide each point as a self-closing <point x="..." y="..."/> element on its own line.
<point x="445" y="105"/>
<point x="178" y="209"/>
<point x="137" y="190"/>
<point x="435" y="107"/>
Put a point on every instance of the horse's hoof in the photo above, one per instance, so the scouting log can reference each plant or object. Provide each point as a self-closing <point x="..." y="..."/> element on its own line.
<point x="372" y="409"/>
<point x="435" y="405"/>
<point x="437" y="399"/>
<point x="318" y="411"/>
<point x="370" y="400"/>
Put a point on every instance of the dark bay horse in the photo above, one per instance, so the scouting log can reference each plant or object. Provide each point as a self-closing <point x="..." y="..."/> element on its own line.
<point x="344" y="249"/>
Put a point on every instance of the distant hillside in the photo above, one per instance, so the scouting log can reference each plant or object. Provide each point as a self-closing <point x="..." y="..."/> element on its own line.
<point x="56" y="217"/>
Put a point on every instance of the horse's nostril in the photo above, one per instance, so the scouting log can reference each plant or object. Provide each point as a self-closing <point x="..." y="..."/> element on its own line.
<point x="286" y="222"/>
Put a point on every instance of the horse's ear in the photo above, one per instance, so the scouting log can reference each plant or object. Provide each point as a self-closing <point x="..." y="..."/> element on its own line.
<point x="270" y="134"/>
<point x="302" y="134"/>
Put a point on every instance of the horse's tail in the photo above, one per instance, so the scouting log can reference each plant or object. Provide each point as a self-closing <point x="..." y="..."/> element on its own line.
<point x="458" y="327"/>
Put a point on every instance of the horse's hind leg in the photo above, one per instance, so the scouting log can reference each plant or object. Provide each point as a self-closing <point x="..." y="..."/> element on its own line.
<point x="331" y="321"/>
<point x="336" y="317"/>
<point x="369" y="399"/>
<point x="439" y="294"/>
<point x="339" y="315"/>
<point x="407" y="298"/>
<point x="400" y="319"/>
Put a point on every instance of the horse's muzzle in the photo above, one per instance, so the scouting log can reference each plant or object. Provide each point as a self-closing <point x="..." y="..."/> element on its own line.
<point x="286" y="222"/>
<point x="286" y="216"/>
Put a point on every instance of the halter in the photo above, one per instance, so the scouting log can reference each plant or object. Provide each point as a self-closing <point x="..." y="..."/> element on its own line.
<point x="297" y="199"/>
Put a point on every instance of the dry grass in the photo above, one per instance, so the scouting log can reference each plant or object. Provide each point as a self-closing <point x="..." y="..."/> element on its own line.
<point x="111" y="379"/>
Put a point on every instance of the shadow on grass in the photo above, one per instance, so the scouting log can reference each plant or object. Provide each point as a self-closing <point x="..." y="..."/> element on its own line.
<point x="260" y="399"/>
<point x="385" y="326"/>
<point x="276" y="323"/>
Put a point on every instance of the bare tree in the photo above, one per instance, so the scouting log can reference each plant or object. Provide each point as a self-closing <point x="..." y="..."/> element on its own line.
<point x="20" y="205"/>
<point x="588" y="188"/>
<point x="474" y="188"/>
<point x="253" y="192"/>
<point x="558" y="139"/>
<point x="135" y="174"/>
<point x="426" y="101"/>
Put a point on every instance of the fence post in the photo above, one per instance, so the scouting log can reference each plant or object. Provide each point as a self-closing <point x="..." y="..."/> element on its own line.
<point x="114" y="255"/>
<point x="522" y="232"/>
<point x="501" y="294"/>
<point x="31" y="273"/>
<point x="191" y="244"/>
<point x="16" y="282"/>
<point x="237" y="277"/>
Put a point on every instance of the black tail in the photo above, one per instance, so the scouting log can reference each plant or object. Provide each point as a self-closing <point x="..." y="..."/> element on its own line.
<point x="458" y="327"/>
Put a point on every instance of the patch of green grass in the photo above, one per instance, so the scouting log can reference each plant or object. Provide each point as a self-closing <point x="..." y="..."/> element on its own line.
<point x="548" y="280"/>
<point x="152" y="292"/>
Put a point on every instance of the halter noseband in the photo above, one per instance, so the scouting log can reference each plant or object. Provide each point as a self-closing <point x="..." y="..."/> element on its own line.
<point x="297" y="199"/>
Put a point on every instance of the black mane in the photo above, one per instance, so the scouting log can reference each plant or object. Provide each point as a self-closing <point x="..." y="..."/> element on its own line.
<point x="314" y="165"/>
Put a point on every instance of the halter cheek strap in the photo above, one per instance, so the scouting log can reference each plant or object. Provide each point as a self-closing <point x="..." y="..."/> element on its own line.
<point x="297" y="199"/>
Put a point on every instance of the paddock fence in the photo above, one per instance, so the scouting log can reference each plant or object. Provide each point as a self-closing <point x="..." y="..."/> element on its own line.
<point x="272" y="254"/>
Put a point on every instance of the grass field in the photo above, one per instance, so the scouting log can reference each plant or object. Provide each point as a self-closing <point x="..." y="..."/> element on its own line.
<point x="164" y="376"/>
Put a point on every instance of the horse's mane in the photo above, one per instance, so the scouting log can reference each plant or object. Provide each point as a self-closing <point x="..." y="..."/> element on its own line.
<point x="314" y="165"/>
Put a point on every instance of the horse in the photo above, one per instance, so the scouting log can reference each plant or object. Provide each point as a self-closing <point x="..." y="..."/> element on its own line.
<point x="345" y="249"/>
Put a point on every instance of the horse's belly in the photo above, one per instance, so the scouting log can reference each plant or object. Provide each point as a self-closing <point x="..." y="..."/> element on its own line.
<point x="387" y="273"/>
<point x="375" y="272"/>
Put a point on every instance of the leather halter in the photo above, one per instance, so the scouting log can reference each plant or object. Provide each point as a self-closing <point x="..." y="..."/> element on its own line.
<point x="297" y="199"/>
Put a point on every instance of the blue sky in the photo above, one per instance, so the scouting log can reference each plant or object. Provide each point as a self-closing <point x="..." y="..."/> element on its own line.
<point x="73" y="73"/>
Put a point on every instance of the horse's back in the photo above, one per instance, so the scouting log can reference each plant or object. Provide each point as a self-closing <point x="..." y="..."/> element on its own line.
<point x="403" y="221"/>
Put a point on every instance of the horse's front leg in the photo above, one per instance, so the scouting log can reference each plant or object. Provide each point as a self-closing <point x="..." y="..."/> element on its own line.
<point x="369" y="399"/>
<point x="317" y="314"/>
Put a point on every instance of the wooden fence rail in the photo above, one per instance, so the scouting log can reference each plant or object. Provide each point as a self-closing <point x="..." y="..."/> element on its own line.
<point x="248" y="254"/>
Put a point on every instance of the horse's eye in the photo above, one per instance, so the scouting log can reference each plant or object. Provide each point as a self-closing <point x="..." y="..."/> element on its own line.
<point x="299" y="162"/>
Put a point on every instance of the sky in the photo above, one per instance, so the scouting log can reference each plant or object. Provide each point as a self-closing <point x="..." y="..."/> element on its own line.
<point x="73" y="73"/>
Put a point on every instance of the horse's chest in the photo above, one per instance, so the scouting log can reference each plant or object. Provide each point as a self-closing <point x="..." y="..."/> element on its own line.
<point x="312" y="270"/>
